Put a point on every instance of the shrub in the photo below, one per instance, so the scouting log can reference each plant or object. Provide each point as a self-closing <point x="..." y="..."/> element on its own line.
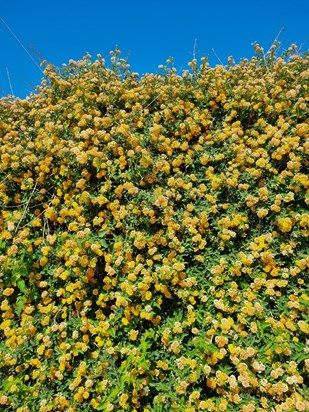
<point x="154" y="238"/>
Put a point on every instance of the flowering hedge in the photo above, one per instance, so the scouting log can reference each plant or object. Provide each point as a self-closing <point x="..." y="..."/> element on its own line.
<point x="154" y="238"/>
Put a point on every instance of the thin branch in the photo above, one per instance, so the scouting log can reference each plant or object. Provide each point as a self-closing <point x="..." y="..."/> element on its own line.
<point x="265" y="61"/>
<point x="278" y="35"/>
<point x="152" y="101"/>
<point x="303" y="44"/>
<point x="9" y="79"/>
<point x="4" y="179"/>
<point x="194" y="49"/>
<point x="276" y="38"/>
<point x="26" y="207"/>
<point x="214" y="52"/>
<point x="20" y="43"/>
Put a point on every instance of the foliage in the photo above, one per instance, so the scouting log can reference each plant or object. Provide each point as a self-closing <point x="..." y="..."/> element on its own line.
<point x="154" y="238"/>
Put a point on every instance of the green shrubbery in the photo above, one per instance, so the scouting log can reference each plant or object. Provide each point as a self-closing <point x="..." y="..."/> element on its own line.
<point x="154" y="239"/>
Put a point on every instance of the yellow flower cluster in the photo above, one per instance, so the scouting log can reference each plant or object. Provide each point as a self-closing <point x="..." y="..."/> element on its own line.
<point x="153" y="239"/>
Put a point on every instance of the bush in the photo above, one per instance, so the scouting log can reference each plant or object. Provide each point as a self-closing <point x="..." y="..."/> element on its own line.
<point x="154" y="238"/>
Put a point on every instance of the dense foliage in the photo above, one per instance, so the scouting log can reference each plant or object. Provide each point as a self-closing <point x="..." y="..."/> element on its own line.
<point x="154" y="238"/>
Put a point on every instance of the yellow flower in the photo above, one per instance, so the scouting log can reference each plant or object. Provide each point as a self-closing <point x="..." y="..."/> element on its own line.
<point x="285" y="224"/>
<point x="179" y="266"/>
<point x="303" y="326"/>
<point x="161" y="201"/>
<point x="43" y="261"/>
<point x="133" y="334"/>
<point x="175" y="347"/>
<point x="207" y="405"/>
<point x="177" y="328"/>
<point x="41" y="349"/>
<point x="221" y="341"/>
<point x="261" y="162"/>
<point x="8" y="291"/>
<point x="3" y="400"/>
<point x="123" y="399"/>
<point x="148" y="295"/>
<point x="94" y="403"/>
<point x="262" y="213"/>
<point x="96" y="248"/>
<point x="125" y="321"/>
<point x="45" y="250"/>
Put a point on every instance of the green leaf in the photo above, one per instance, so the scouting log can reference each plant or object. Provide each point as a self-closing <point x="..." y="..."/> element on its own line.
<point x="34" y="295"/>
<point x="113" y="393"/>
<point x="20" y="302"/>
<point x="103" y="243"/>
<point x="143" y="363"/>
<point x="301" y="357"/>
<point x="125" y="379"/>
<point x="23" y="270"/>
<point x="101" y="239"/>
<point x="6" y="384"/>
<point x="102" y="407"/>
<point x="22" y="286"/>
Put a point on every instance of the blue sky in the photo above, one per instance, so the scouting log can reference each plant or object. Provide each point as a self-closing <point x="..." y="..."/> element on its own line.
<point x="148" y="32"/>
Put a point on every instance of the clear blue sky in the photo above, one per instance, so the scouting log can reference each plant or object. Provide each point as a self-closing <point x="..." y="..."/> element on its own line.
<point x="146" y="31"/>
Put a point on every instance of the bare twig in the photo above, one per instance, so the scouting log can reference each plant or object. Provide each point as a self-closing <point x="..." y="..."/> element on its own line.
<point x="26" y="207"/>
<point x="303" y="44"/>
<point x="278" y="35"/>
<point x="9" y="79"/>
<point x="194" y="49"/>
<point x="276" y="39"/>
<point x="214" y="52"/>
<point x="20" y="43"/>
<point x="152" y="101"/>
